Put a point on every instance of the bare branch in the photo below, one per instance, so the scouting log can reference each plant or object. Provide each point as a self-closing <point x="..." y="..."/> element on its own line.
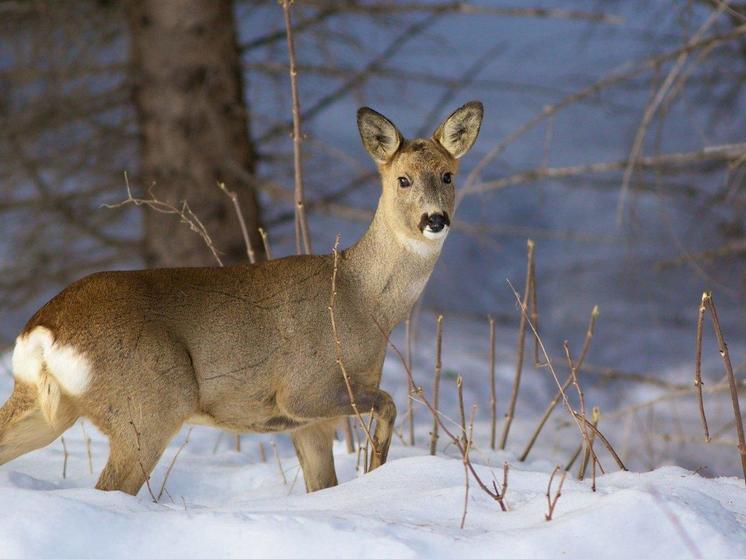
<point x="301" y="227"/>
<point x="521" y="348"/>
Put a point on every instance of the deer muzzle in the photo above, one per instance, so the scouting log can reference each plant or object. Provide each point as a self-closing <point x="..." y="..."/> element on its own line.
<point x="435" y="225"/>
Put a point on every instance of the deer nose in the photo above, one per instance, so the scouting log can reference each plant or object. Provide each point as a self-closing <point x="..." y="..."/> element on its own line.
<point x="436" y="222"/>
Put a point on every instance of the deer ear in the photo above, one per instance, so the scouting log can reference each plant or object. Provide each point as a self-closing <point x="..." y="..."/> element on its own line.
<point x="380" y="137"/>
<point x="460" y="130"/>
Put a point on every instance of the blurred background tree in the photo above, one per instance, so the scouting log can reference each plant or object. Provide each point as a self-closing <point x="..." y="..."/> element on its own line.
<point x="182" y="95"/>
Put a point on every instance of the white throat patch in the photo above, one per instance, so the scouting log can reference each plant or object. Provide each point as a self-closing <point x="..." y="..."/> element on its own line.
<point x="422" y="248"/>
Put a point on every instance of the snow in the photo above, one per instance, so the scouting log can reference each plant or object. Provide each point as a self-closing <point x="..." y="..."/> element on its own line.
<point x="230" y="505"/>
<point x="225" y="503"/>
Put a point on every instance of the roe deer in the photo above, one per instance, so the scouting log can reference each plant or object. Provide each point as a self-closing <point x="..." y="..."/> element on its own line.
<point x="247" y="348"/>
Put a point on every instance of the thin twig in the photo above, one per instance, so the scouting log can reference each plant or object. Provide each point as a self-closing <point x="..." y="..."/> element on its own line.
<point x="87" y="440"/>
<point x="410" y="384"/>
<point x="368" y="444"/>
<point x="698" y="364"/>
<point x="462" y="411"/>
<point x="265" y="242"/>
<point x="650" y="111"/>
<point x="581" y="400"/>
<point x="262" y="454"/>
<point x="520" y="351"/>
<point x="552" y="502"/>
<point x="468" y="441"/>
<point x="565" y="385"/>
<point x="279" y="462"/>
<point x="731" y="380"/>
<point x="349" y="438"/>
<point x="454" y="439"/>
<point x="338" y="349"/>
<point x="173" y="461"/>
<point x="548" y="361"/>
<point x="65" y="457"/>
<point x="436" y="384"/>
<point x="302" y="238"/>
<point x="139" y="448"/>
<point x="716" y="153"/>
<point x="595" y="414"/>
<point x="493" y="389"/>
<point x="605" y="441"/>
<point x="185" y="214"/>
<point x="242" y="223"/>
<point x="534" y="310"/>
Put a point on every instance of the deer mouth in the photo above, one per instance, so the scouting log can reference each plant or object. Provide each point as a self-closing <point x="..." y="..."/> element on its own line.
<point x="435" y="225"/>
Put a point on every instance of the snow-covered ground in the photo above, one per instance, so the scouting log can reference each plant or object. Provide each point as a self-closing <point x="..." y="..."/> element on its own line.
<point x="225" y="503"/>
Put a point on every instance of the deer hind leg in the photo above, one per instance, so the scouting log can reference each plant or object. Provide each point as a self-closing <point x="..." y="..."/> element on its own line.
<point x="313" y="445"/>
<point x="23" y="425"/>
<point x="133" y="454"/>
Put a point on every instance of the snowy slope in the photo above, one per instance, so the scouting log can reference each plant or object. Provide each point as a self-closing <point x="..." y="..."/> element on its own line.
<point x="228" y="505"/>
<point x="224" y="503"/>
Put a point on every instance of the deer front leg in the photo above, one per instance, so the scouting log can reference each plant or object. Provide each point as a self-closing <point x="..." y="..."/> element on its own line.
<point x="336" y="403"/>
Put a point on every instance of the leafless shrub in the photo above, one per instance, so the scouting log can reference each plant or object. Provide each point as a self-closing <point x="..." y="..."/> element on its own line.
<point x="552" y="501"/>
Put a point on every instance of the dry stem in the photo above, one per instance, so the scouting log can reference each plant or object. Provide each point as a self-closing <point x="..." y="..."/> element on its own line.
<point x="565" y="385"/>
<point x="279" y="462"/>
<point x="65" y="457"/>
<point x="698" y="364"/>
<point x="173" y="461"/>
<point x="454" y="439"/>
<point x="436" y="384"/>
<point x="338" y="348"/>
<point x="301" y="227"/>
<point x="549" y="365"/>
<point x="493" y="390"/>
<point x="410" y="384"/>
<point x="239" y="214"/>
<point x="139" y="448"/>
<point x="552" y="502"/>
<point x="349" y="440"/>
<point x="468" y="440"/>
<point x="87" y="440"/>
<point x="265" y="242"/>
<point x="595" y="415"/>
<point x="650" y="111"/>
<point x="521" y="348"/>
<point x="708" y="300"/>
<point x="184" y="214"/>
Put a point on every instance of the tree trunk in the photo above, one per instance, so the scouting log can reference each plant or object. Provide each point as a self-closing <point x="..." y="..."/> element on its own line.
<point x="193" y="126"/>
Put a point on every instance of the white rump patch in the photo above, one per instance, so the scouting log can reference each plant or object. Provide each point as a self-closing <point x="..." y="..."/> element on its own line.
<point x="37" y="352"/>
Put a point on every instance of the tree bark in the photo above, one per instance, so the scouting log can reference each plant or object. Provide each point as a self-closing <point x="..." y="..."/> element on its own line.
<point x="193" y="127"/>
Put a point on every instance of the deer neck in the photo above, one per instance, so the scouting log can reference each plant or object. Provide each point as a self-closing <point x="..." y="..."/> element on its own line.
<point x="387" y="270"/>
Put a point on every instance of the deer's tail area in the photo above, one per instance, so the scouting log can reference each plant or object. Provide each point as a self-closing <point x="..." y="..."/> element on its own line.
<point x="37" y="411"/>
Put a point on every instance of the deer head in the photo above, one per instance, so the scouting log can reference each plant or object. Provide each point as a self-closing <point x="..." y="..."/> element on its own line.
<point x="418" y="176"/>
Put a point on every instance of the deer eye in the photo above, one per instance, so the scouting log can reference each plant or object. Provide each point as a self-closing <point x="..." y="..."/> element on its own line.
<point x="447" y="177"/>
<point x="404" y="182"/>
